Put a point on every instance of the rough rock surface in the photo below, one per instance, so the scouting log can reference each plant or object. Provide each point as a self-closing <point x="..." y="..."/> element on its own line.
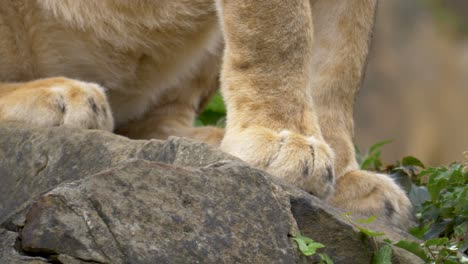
<point x="74" y="196"/>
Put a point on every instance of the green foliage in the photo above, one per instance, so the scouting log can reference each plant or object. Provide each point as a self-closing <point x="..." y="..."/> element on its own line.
<point x="440" y="198"/>
<point x="413" y="247"/>
<point x="436" y="250"/>
<point x="371" y="159"/>
<point x="364" y="230"/>
<point x="214" y="113"/>
<point x="444" y="216"/>
<point x="383" y="255"/>
<point x="325" y="259"/>
<point x="308" y="247"/>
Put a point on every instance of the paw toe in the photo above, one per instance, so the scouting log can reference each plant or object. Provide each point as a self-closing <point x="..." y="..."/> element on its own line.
<point x="306" y="162"/>
<point x="83" y="105"/>
<point x="389" y="208"/>
<point x="330" y="175"/>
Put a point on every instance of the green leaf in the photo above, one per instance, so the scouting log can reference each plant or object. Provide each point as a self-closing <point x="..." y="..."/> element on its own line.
<point x="412" y="161"/>
<point x="379" y="145"/>
<point x="306" y="240"/>
<point x="419" y="231"/>
<point x="437" y="182"/>
<point x="371" y="161"/>
<point x="413" y="247"/>
<point x="210" y="118"/>
<point x="306" y="245"/>
<point x="308" y="249"/>
<point x="325" y="258"/>
<point x="436" y="241"/>
<point x="302" y="246"/>
<point x="448" y="261"/>
<point x="368" y="220"/>
<point x="216" y="104"/>
<point x="363" y="230"/>
<point x="214" y="113"/>
<point x="312" y="248"/>
<point x="369" y="232"/>
<point x="383" y="256"/>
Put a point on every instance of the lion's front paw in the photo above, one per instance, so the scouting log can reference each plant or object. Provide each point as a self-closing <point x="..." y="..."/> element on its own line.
<point x="58" y="101"/>
<point x="376" y="194"/>
<point x="306" y="162"/>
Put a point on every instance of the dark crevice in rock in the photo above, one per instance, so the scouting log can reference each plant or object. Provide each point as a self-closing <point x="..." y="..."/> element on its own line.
<point x="90" y="261"/>
<point x="218" y="164"/>
<point x="47" y="254"/>
<point x="40" y="253"/>
<point x="10" y="227"/>
<point x="51" y="256"/>
<point x="57" y="257"/>
<point x="18" y="246"/>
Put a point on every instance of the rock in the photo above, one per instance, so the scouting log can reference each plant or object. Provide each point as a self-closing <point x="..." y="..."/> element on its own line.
<point x="73" y="196"/>
<point x="33" y="160"/>
<point x="146" y="212"/>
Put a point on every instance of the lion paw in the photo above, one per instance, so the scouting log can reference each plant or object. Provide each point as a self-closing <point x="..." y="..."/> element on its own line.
<point x="56" y="102"/>
<point x="306" y="162"/>
<point x="373" y="194"/>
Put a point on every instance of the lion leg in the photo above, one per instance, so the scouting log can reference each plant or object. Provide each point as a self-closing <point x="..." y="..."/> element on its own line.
<point x="271" y="120"/>
<point x="56" y="102"/>
<point x="172" y="119"/>
<point x="176" y="115"/>
<point x="338" y="68"/>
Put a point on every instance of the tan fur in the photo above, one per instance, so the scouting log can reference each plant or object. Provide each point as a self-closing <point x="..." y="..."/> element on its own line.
<point x="289" y="74"/>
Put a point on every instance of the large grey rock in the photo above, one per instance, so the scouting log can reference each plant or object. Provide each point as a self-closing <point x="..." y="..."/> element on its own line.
<point x="33" y="160"/>
<point x="70" y="196"/>
<point x="146" y="212"/>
